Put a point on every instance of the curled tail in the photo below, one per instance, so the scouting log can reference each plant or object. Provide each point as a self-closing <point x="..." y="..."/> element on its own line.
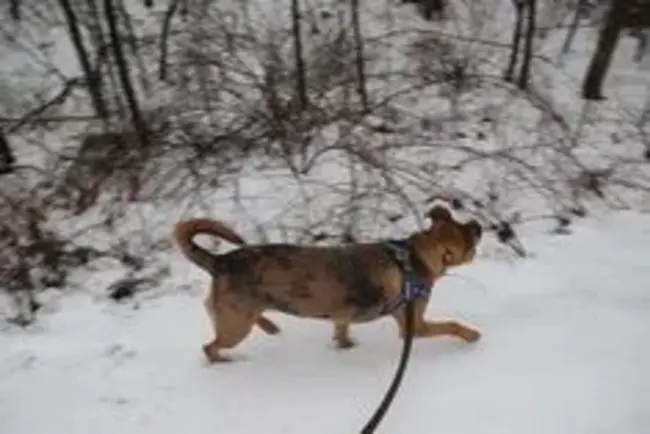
<point x="185" y="231"/>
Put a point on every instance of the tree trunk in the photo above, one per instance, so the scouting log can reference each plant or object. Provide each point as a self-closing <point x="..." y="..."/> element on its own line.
<point x="428" y="7"/>
<point x="573" y="28"/>
<point x="516" y="40"/>
<point x="7" y="158"/>
<point x="93" y="78"/>
<point x="103" y="56"/>
<point x="14" y="9"/>
<point x="301" y="79"/>
<point x="123" y="71"/>
<point x="601" y="59"/>
<point x="164" y="36"/>
<point x="360" y="61"/>
<point x="641" y="36"/>
<point x="524" y="73"/>
<point x="135" y="47"/>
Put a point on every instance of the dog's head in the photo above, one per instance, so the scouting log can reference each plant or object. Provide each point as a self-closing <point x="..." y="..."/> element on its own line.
<point x="448" y="242"/>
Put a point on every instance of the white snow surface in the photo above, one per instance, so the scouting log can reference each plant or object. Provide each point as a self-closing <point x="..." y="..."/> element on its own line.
<point x="564" y="350"/>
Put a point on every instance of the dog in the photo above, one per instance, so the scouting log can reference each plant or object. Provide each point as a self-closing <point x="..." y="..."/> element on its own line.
<point x="345" y="284"/>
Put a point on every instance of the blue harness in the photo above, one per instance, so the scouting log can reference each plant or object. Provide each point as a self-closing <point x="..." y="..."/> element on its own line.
<point x="413" y="286"/>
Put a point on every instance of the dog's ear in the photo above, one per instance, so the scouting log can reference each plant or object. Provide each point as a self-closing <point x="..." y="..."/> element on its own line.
<point x="439" y="213"/>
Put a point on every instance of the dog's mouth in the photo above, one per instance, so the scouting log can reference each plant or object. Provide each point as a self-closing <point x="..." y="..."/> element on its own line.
<point x="470" y="254"/>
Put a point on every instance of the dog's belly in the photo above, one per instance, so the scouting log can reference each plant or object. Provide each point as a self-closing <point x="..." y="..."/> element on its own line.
<point x="333" y="302"/>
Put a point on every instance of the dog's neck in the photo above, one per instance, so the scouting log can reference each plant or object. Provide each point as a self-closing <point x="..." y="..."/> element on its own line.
<point x="424" y="258"/>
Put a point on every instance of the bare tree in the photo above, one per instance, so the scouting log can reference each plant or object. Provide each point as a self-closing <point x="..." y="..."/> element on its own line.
<point x="638" y="20"/>
<point x="14" y="9"/>
<point x="123" y="71"/>
<point x="428" y="7"/>
<point x="7" y="158"/>
<point x="164" y="38"/>
<point x="92" y="75"/>
<point x="642" y="36"/>
<point x="573" y="27"/>
<point x="517" y="35"/>
<point x="525" y="13"/>
<point x="301" y="73"/>
<point x="531" y="25"/>
<point x="135" y="46"/>
<point x="592" y="86"/>
<point x="360" y="61"/>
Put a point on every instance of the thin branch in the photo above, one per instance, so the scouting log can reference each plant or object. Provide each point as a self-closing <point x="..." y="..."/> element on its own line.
<point x="164" y="36"/>
<point x="58" y="99"/>
<point x="360" y="61"/>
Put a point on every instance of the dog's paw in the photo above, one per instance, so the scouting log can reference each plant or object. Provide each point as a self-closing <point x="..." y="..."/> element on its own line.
<point x="344" y="344"/>
<point x="212" y="354"/>
<point x="468" y="334"/>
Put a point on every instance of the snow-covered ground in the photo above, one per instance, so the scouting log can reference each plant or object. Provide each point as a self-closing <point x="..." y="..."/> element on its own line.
<point x="564" y="351"/>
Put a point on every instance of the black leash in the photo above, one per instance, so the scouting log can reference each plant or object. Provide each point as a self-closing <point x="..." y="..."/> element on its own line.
<point x="413" y="288"/>
<point x="399" y="374"/>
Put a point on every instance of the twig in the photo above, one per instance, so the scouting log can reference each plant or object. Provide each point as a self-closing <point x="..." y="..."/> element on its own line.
<point x="59" y="99"/>
<point x="164" y="36"/>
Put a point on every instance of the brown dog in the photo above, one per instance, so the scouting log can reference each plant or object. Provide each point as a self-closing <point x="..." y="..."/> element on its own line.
<point x="344" y="284"/>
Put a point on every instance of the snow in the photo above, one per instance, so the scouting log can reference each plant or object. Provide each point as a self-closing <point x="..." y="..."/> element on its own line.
<point x="563" y="351"/>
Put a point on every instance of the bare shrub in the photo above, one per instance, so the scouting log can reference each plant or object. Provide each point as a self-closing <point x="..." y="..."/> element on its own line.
<point x="32" y="256"/>
<point x="114" y="159"/>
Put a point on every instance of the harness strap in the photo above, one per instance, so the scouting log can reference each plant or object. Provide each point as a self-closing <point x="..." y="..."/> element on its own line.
<point x="413" y="287"/>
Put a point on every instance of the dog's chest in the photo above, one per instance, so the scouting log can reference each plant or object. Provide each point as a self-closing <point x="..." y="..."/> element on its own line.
<point x="360" y="278"/>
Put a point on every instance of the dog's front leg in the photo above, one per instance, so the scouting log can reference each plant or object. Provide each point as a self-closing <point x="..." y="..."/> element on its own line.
<point x="448" y="328"/>
<point x="427" y="329"/>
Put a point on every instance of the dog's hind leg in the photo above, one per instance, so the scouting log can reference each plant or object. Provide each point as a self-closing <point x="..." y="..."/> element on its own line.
<point x="342" y="335"/>
<point x="267" y="325"/>
<point x="209" y="304"/>
<point x="232" y="327"/>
